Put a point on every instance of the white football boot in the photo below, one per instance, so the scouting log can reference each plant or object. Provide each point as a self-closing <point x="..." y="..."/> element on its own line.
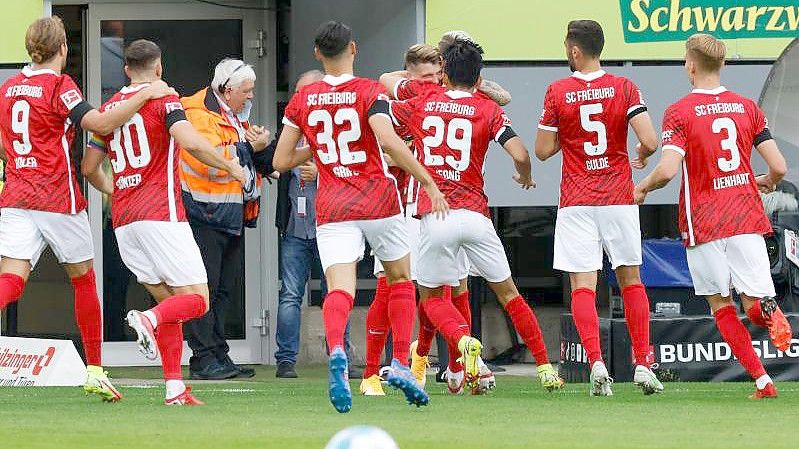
<point x="600" y="380"/>
<point x="647" y="380"/>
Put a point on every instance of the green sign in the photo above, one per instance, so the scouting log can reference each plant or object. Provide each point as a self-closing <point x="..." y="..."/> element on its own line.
<point x="676" y="20"/>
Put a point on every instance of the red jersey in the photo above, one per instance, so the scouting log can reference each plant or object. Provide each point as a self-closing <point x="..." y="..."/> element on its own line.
<point x="354" y="182"/>
<point x="144" y="161"/>
<point x="452" y="130"/>
<point x="715" y="130"/>
<point x="590" y="114"/>
<point x="38" y="113"/>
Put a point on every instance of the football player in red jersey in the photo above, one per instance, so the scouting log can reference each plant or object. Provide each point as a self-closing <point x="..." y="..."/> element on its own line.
<point x="41" y="203"/>
<point x="586" y="117"/>
<point x="710" y="134"/>
<point x="346" y="119"/>
<point x="452" y="128"/>
<point x="406" y="88"/>
<point x="154" y="237"/>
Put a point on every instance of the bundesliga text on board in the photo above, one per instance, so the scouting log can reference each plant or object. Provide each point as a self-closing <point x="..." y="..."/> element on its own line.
<point x="676" y="20"/>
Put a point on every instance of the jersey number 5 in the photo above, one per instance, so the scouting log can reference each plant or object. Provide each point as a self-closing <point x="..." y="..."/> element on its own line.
<point x="123" y="147"/>
<point x="729" y="144"/>
<point x="342" y="141"/>
<point x="594" y="126"/>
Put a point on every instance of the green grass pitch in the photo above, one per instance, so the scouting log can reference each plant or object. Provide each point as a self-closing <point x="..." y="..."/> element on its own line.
<point x="287" y="414"/>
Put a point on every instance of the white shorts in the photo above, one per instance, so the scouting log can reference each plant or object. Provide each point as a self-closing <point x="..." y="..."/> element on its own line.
<point x="344" y="241"/>
<point x="740" y="261"/>
<point x="582" y="232"/>
<point x="442" y="241"/>
<point x="413" y="225"/>
<point x="25" y="233"/>
<point x="161" y="252"/>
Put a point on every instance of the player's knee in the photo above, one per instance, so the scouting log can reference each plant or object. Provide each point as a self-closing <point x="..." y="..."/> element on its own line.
<point x="628" y="276"/>
<point x="718" y="302"/>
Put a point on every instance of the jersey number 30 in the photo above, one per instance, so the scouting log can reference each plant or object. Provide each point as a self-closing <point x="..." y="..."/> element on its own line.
<point x="124" y="149"/>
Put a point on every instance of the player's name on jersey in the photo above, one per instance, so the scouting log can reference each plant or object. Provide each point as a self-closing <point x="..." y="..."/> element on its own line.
<point x="325" y="98"/>
<point x="451" y="108"/>
<point x="590" y="94"/>
<point x="26" y="162"/>
<point x="719" y="108"/>
<point x="597" y="164"/>
<point x="128" y="181"/>
<point x="22" y="90"/>
<point x="725" y="182"/>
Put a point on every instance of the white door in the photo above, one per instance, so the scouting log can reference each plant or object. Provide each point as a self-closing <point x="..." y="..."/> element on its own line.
<point x="193" y="38"/>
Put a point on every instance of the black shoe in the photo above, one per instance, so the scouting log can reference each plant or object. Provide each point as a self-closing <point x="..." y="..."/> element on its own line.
<point x="241" y="371"/>
<point x="213" y="371"/>
<point x="355" y="372"/>
<point x="285" y="370"/>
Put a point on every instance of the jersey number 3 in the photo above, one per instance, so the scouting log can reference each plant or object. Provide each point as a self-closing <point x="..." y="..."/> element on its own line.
<point x="729" y="144"/>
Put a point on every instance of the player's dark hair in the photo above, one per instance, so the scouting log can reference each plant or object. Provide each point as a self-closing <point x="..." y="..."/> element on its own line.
<point x="587" y="35"/>
<point x="463" y="62"/>
<point x="332" y="38"/>
<point x="142" y="55"/>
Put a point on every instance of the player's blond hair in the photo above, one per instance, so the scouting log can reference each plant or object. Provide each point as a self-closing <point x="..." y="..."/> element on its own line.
<point x="422" y="54"/>
<point x="44" y="39"/>
<point x="706" y="51"/>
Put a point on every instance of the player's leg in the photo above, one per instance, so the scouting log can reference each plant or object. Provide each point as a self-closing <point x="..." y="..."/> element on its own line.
<point x="377" y="326"/>
<point x="21" y="244"/>
<point x="751" y="276"/>
<point x="710" y="272"/>
<point x="389" y="240"/>
<point x="440" y="242"/>
<point x="578" y="251"/>
<point x="341" y="245"/>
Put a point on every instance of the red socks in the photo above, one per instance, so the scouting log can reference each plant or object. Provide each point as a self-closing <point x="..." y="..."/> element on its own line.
<point x="335" y="312"/>
<point x="526" y="324"/>
<point x="427" y="331"/>
<point x="401" y="314"/>
<point x="376" y="328"/>
<point x="446" y="318"/>
<point x="586" y="320"/>
<point x="88" y="316"/>
<point x="461" y="302"/>
<point x="169" y="337"/>
<point x="735" y="334"/>
<point x="11" y="287"/>
<point x="179" y="308"/>
<point x="636" y="312"/>
<point x="755" y="314"/>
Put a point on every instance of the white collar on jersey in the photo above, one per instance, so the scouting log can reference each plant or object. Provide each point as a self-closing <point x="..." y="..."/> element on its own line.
<point x="336" y="80"/>
<point x="715" y="91"/>
<point x="588" y="76"/>
<point x="131" y="89"/>
<point x="29" y="72"/>
<point x="456" y="94"/>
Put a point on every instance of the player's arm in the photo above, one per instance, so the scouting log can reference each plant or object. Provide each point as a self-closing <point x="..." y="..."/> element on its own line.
<point x="666" y="170"/>
<point x="106" y="122"/>
<point x="494" y="91"/>
<point x="642" y="126"/>
<point x="546" y="144"/>
<point x="92" y="166"/>
<point x="287" y="155"/>
<point x="391" y="79"/>
<point x="521" y="158"/>
<point x="777" y="168"/>
<point x="397" y="149"/>
<point x="190" y="140"/>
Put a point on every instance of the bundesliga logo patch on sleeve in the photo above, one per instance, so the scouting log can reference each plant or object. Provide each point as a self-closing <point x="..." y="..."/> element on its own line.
<point x="71" y="98"/>
<point x="173" y="106"/>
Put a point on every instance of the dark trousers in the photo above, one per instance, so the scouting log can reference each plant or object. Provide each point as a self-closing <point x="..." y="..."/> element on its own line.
<point x="222" y="256"/>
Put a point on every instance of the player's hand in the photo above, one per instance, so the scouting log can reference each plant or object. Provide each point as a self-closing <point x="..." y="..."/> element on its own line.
<point x="764" y="184"/>
<point x="237" y="171"/>
<point x="526" y="182"/>
<point x="159" y="89"/>
<point x="258" y="137"/>
<point x="439" y="205"/>
<point x="639" y="196"/>
<point x="639" y="162"/>
<point x="308" y="171"/>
